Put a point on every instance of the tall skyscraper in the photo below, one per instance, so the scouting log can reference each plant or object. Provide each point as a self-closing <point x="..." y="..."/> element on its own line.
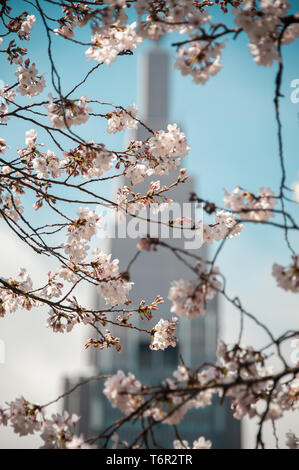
<point x="152" y="275"/>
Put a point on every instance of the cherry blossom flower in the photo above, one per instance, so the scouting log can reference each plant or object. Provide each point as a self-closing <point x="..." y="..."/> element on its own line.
<point x="3" y="113"/>
<point x="292" y="441"/>
<point x="115" y="291"/>
<point x="145" y="244"/>
<point x="296" y="192"/>
<point x="172" y="15"/>
<point x="178" y="405"/>
<point x="111" y="40"/>
<point x="121" y="119"/>
<point x="8" y="94"/>
<point x="24" y="417"/>
<point x="200" y="443"/>
<point x="181" y="444"/>
<point x="65" y="30"/>
<point x="3" y="146"/>
<point x="242" y="201"/>
<point x="22" y="25"/>
<point x="200" y="60"/>
<point x="47" y="163"/>
<point x="287" y="278"/>
<point x="58" y="432"/>
<point x="80" y="232"/>
<point x="65" y="323"/>
<point x="88" y="160"/>
<point x="113" y="286"/>
<point x="163" y="334"/>
<point x="108" y="341"/>
<point x="11" y="301"/>
<point x="30" y="84"/>
<point x="26" y="27"/>
<point x="136" y="173"/>
<point x="173" y="142"/>
<point x="226" y="226"/>
<point x="31" y="137"/>
<point x="189" y="298"/>
<point x="122" y="392"/>
<point x="181" y="373"/>
<point x="78" y="442"/>
<point x="263" y="27"/>
<point x="69" y="113"/>
<point x="11" y="205"/>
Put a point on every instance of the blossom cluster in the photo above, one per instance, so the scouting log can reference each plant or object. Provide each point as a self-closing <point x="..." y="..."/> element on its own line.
<point x="47" y="163"/>
<point x="131" y="203"/>
<point x="24" y="417"/>
<point x="30" y="83"/>
<point x="67" y="113"/>
<point x="110" y="41"/>
<point x="163" y="334"/>
<point x="88" y="160"/>
<point x="73" y="18"/>
<point x="250" y="366"/>
<point x="242" y="371"/>
<point x="296" y="191"/>
<point x="7" y="97"/>
<point x="115" y="291"/>
<point x="287" y="277"/>
<point x="107" y="341"/>
<point x="292" y="441"/>
<point x="122" y="392"/>
<point x="225" y="226"/>
<point x="3" y="146"/>
<point x="189" y="298"/>
<point x="200" y="443"/>
<point x="155" y="156"/>
<point x="166" y="146"/>
<point x="80" y="232"/>
<point x="57" y="432"/>
<point x="136" y="173"/>
<point x="113" y="285"/>
<point x="201" y="60"/>
<point x="250" y="207"/>
<point x="169" y="15"/>
<point x="10" y="301"/>
<point x="7" y="94"/>
<point x="10" y="204"/>
<point x="121" y="119"/>
<point x="263" y="27"/>
<point x="22" y="25"/>
<point x="62" y="322"/>
<point x="109" y="13"/>
<point x="174" y="410"/>
<point x="145" y="311"/>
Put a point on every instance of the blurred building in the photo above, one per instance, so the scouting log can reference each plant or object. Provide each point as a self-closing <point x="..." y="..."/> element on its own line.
<point x="152" y="274"/>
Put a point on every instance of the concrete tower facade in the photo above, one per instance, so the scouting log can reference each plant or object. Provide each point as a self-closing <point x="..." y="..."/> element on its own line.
<point x="152" y="274"/>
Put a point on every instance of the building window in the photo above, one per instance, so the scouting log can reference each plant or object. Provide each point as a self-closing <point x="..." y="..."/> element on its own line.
<point x="144" y="354"/>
